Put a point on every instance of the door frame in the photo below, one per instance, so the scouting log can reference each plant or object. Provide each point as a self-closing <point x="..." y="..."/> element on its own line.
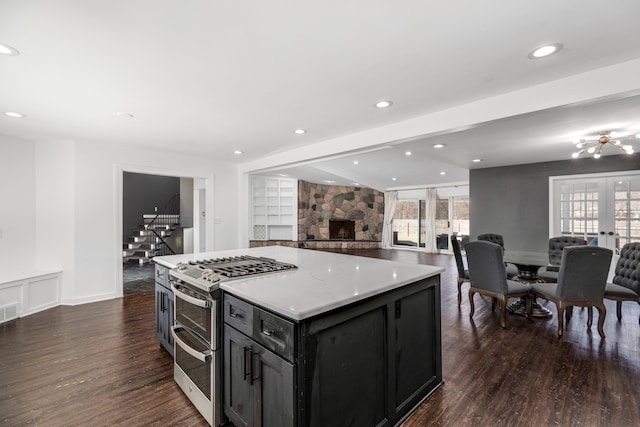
<point x="199" y="182"/>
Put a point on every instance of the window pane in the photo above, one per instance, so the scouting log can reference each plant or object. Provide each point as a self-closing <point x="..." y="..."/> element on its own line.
<point x="579" y="209"/>
<point x="405" y="223"/>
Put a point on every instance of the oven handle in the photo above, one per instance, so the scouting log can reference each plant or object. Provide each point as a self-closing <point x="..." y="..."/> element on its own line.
<point x="203" y="356"/>
<point x="205" y="303"/>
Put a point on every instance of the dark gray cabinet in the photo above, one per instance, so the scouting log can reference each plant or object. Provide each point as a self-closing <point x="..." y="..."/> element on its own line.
<point x="258" y="383"/>
<point x="164" y="308"/>
<point x="371" y="363"/>
<point x="365" y="364"/>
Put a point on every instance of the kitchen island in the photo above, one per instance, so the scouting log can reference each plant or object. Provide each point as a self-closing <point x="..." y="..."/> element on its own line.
<point x="341" y="340"/>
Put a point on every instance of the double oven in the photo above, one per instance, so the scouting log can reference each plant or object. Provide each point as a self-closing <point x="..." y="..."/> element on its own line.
<point x="197" y="355"/>
<point x="197" y="328"/>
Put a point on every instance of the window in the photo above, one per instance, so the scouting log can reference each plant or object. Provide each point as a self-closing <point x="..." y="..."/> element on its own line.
<point x="452" y="217"/>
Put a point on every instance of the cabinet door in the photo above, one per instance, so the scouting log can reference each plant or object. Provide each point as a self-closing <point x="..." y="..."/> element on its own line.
<point x="274" y="391"/>
<point x="162" y="331"/>
<point x="169" y="319"/>
<point x="239" y="399"/>
<point x="415" y="346"/>
<point x="346" y="372"/>
<point x="164" y="317"/>
<point x="160" y="313"/>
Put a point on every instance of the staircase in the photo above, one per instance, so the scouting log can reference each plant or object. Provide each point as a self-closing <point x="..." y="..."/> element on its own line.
<point x="153" y="238"/>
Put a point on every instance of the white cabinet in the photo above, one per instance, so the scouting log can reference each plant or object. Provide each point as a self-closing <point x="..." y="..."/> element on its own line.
<point x="274" y="212"/>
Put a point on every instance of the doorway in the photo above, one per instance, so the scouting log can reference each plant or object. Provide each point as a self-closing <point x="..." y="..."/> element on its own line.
<point x="603" y="209"/>
<point x="139" y="277"/>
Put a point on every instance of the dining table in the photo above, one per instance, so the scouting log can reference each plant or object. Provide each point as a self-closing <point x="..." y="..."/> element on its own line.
<point x="528" y="263"/>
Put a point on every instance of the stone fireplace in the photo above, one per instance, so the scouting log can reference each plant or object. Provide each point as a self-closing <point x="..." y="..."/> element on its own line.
<point x="342" y="229"/>
<point x="336" y="217"/>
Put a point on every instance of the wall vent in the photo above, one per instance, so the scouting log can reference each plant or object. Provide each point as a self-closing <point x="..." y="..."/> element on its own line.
<point x="8" y="312"/>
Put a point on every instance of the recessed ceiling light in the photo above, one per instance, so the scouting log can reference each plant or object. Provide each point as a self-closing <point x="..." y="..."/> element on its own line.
<point x="283" y="174"/>
<point x="394" y="179"/>
<point x="476" y="160"/>
<point x="543" y="51"/>
<point x="408" y="153"/>
<point x="438" y="145"/>
<point x="329" y="181"/>
<point x="355" y="162"/>
<point x="384" y="104"/>
<point x="8" y="50"/>
<point x="237" y="152"/>
<point x="14" y="114"/>
<point x="355" y="183"/>
<point x="124" y="114"/>
<point x="443" y="173"/>
<point x="299" y="131"/>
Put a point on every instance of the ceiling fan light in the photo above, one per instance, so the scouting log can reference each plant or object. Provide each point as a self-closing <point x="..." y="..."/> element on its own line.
<point x="591" y="150"/>
<point x="596" y="156"/>
<point x="575" y="155"/>
<point x="579" y="144"/>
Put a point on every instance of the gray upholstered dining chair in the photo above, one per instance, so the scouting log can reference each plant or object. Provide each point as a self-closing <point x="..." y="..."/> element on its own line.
<point x="556" y="244"/>
<point x="463" y="274"/>
<point x="581" y="282"/>
<point x="512" y="271"/>
<point x="488" y="277"/>
<point x="626" y="281"/>
<point x="493" y="238"/>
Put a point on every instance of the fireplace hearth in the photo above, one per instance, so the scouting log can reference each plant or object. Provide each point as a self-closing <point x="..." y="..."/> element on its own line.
<point x="342" y="229"/>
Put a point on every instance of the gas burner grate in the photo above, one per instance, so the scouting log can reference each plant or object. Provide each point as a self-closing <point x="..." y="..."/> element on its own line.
<point x="243" y="265"/>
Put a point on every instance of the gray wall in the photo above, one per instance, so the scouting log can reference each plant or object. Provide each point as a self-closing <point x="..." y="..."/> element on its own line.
<point x="514" y="200"/>
<point x="186" y="202"/>
<point x="141" y="193"/>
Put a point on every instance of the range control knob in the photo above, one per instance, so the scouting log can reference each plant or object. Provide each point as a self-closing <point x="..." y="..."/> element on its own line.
<point x="210" y="276"/>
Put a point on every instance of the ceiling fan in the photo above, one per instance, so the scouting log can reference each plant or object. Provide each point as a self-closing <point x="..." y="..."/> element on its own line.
<point x="594" y="145"/>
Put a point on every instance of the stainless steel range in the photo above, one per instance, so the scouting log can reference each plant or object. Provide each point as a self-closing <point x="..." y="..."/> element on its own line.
<point x="198" y="324"/>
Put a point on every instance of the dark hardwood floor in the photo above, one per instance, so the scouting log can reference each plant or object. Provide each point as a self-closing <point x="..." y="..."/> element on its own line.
<point x="99" y="364"/>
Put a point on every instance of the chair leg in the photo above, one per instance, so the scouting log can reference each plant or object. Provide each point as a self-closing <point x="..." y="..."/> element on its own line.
<point x="503" y="311"/>
<point x="602" y="313"/>
<point x="619" y="310"/>
<point x="459" y="291"/>
<point x="561" y="310"/>
<point x="472" y="307"/>
<point x="589" y="317"/>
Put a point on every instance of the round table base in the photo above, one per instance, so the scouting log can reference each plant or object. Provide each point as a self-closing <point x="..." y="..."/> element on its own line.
<point x="520" y="308"/>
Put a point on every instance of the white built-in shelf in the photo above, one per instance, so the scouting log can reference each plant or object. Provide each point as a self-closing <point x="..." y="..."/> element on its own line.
<point x="273" y="213"/>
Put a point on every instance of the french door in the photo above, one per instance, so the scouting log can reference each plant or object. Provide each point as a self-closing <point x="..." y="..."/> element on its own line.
<point x="604" y="209"/>
<point x="452" y="219"/>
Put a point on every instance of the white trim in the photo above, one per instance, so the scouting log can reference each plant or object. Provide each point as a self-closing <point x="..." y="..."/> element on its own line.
<point x="31" y="292"/>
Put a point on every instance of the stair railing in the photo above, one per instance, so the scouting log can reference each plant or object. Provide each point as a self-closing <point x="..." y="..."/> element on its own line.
<point x="163" y="219"/>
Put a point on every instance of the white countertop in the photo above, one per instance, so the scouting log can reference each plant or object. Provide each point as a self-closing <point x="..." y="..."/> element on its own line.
<point x="322" y="282"/>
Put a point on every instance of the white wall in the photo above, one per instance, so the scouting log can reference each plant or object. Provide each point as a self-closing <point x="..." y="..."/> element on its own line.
<point x="17" y="204"/>
<point x="79" y="209"/>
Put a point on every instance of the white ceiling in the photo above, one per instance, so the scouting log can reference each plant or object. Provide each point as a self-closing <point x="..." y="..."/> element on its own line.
<point x="209" y="77"/>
